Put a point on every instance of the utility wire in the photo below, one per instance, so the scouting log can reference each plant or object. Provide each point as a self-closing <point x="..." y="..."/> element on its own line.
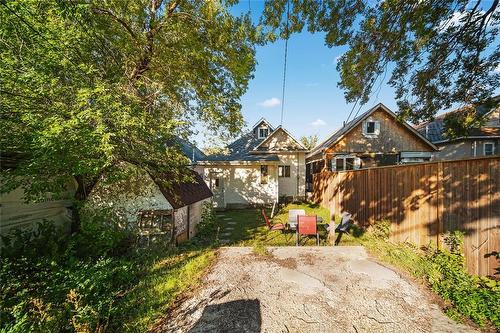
<point x="284" y="65"/>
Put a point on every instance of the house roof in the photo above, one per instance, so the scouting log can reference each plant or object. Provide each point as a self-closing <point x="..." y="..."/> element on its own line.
<point x="181" y="194"/>
<point x="245" y="147"/>
<point x="340" y="133"/>
<point x="434" y="130"/>
<point x="190" y="150"/>
<point x="287" y="133"/>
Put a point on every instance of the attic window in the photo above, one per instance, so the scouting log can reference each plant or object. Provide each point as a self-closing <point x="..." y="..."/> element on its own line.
<point x="371" y="128"/>
<point x="263" y="132"/>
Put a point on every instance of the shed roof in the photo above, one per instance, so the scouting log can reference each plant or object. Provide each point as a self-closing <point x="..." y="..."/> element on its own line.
<point x="185" y="193"/>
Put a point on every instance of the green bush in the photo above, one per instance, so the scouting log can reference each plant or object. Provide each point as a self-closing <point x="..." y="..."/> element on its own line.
<point x="93" y="281"/>
<point x="444" y="270"/>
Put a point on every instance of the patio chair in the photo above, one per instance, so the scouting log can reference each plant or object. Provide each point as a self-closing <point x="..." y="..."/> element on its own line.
<point x="306" y="226"/>
<point x="272" y="227"/>
<point x="344" y="226"/>
<point x="292" y="217"/>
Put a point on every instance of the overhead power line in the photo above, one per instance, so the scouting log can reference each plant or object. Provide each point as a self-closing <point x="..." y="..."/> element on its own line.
<point x="284" y="64"/>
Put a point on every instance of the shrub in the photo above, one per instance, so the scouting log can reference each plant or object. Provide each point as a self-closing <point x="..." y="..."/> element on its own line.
<point x="102" y="234"/>
<point x="444" y="270"/>
<point x="44" y="239"/>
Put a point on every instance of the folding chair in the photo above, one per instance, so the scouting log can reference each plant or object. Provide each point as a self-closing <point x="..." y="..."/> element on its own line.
<point x="306" y="226"/>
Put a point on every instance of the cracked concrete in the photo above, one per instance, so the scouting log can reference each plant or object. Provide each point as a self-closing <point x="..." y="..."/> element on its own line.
<point x="301" y="289"/>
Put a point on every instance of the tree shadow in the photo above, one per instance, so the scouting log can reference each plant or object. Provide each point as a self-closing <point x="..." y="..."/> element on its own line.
<point x="234" y="316"/>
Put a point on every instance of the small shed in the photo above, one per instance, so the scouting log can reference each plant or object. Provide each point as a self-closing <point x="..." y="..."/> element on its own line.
<point x="143" y="198"/>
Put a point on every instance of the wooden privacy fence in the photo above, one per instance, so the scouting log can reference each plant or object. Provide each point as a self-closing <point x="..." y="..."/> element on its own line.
<point x="423" y="201"/>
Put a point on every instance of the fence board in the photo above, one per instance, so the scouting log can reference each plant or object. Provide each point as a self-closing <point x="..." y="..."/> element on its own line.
<point x="424" y="201"/>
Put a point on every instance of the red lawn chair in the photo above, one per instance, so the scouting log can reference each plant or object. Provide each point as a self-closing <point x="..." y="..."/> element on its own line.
<point x="277" y="226"/>
<point x="307" y="227"/>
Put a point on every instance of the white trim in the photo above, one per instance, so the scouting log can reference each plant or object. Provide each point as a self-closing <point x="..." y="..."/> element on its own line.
<point x="236" y="162"/>
<point x="356" y="165"/>
<point x="260" y="128"/>
<point x="492" y="150"/>
<point x="263" y="120"/>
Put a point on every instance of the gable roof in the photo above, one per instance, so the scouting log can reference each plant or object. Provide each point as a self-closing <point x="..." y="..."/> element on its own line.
<point x="280" y="128"/>
<point x="245" y="147"/>
<point x="181" y="194"/>
<point x="434" y="129"/>
<point x="339" y="134"/>
<point x="263" y="120"/>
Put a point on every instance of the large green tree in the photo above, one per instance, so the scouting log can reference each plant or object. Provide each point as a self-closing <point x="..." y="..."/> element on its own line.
<point x="436" y="53"/>
<point x="86" y="85"/>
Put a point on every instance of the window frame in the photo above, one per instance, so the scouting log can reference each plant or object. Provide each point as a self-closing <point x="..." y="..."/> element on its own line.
<point x="492" y="144"/>
<point x="376" y="128"/>
<point x="262" y="129"/>
<point x="264" y="174"/>
<point x="284" y="171"/>
<point x="356" y="163"/>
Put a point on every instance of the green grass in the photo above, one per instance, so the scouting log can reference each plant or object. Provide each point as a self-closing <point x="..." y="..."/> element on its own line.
<point x="161" y="283"/>
<point x="250" y="228"/>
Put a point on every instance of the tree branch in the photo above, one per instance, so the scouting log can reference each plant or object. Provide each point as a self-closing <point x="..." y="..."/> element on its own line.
<point x="116" y="18"/>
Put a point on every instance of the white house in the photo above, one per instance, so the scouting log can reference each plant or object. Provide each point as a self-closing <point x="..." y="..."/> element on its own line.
<point x="261" y="167"/>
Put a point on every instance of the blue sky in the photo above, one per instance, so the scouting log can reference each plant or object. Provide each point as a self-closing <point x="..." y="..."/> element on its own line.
<point x="313" y="102"/>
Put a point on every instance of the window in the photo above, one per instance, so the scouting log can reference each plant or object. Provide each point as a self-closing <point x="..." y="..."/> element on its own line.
<point x="284" y="171"/>
<point x="263" y="132"/>
<point x="489" y="148"/>
<point x="371" y="128"/>
<point x="345" y="162"/>
<point x="217" y="182"/>
<point x="263" y="174"/>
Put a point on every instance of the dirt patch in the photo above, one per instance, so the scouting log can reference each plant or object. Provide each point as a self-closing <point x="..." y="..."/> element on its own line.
<point x="317" y="289"/>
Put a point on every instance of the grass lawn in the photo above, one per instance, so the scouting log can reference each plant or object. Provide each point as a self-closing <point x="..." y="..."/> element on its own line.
<point x="246" y="227"/>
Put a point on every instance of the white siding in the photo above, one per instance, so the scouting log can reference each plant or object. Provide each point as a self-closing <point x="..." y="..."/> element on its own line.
<point x="295" y="184"/>
<point x="16" y="213"/>
<point x="242" y="183"/>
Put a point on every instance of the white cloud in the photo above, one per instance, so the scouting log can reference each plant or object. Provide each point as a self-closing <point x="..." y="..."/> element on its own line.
<point x="271" y="102"/>
<point x="318" y="123"/>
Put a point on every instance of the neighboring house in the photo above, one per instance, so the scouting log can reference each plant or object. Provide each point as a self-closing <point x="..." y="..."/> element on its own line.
<point x="16" y="213"/>
<point x="482" y="141"/>
<point x="375" y="138"/>
<point x="263" y="166"/>
<point x="141" y="194"/>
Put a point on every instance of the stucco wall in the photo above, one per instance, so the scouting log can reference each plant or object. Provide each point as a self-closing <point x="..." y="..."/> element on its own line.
<point x="295" y="184"/>
<point x="127" y="198"/>
<point x="393" y="137"/>
<point x="242" y="183"/>
<point x="463" y="149"/>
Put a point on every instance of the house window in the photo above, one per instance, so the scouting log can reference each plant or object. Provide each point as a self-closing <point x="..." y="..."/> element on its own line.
<point x="371" y="128"/>
<point x="263" y="132"/>
<point x="489" y="148"/>
<point x="217" y="182"/>
<point x="284" y="171"/>
<point x="345" y="163"/>
<point x="264" y="175"/>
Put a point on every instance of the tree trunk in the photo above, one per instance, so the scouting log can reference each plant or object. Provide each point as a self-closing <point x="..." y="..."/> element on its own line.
<point x="83" y="189"/>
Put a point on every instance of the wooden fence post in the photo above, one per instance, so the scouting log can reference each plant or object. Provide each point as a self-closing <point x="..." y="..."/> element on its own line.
<point x="440" y="203"/>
